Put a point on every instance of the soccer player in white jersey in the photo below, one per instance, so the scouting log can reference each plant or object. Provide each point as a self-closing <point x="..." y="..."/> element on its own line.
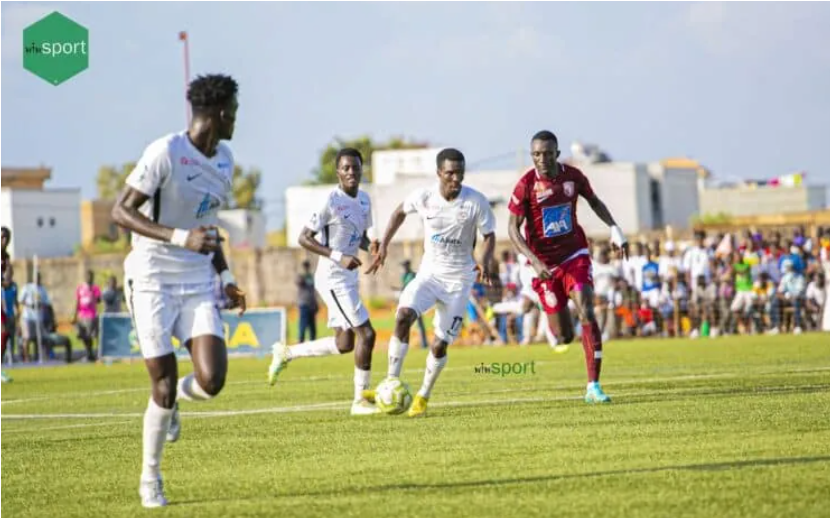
<point x="452" y="214"/>
<point x="345" y="223"/>
<point x="170" y="204"/>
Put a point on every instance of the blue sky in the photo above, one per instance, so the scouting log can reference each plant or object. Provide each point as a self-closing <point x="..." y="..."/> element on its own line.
<point x="742" y="87"/>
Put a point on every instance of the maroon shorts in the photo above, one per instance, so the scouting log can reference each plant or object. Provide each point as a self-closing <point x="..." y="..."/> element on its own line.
<point x="569" y="277"/>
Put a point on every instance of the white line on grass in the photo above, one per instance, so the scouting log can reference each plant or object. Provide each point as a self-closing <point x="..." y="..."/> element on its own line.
<point x="344" y="404"/>
<point x="144" y="389"/>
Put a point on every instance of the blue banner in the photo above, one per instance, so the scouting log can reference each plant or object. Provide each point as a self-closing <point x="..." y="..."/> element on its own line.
<point x="251" y="334"/>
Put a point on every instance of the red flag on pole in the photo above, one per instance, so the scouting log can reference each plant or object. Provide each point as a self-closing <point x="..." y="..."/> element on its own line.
<point x="183" y="36"/>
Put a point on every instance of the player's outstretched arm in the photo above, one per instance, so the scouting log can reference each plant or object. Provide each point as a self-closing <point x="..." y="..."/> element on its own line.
<point x="308" y="241"/>
<point x="396" y="219"/>
<point x="602" y="212"/>
<point x="514" y="225"/>
<point x="126" y="214"/>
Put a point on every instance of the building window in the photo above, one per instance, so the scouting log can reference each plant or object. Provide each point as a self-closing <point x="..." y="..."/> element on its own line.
<point x="52" y="221"/>
<point x="40" y="222"/>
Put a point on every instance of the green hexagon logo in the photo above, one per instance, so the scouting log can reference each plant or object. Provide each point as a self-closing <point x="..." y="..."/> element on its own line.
<point x="55" y="48"/>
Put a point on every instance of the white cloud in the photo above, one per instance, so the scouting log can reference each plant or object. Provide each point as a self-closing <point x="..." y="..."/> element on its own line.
<point x="17" y="17"/>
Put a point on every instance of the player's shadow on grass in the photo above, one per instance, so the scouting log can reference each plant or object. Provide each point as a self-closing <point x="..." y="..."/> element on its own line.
<point x="659" y="396"/>
<point x="704" y="467"/>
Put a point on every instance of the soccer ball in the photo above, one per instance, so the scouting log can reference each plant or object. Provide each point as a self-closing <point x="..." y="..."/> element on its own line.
<point x="392" y="396"/>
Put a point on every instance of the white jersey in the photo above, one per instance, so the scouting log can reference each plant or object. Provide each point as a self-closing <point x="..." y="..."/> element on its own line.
<point x="186" y="190"/>
<point x="604" y="275"/>
<point x="450" y="232"/>
<point x="342" y="221"/>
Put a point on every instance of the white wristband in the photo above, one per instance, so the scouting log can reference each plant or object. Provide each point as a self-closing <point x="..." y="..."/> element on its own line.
<point x="180" y="237"/>
<point x="227" y="278"/>
<point x="618" y="237"/>
<point x="336" y="256"/>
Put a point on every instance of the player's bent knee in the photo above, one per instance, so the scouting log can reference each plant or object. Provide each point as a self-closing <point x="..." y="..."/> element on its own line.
<point x="568" y="337"/>
<point x="405" y="317"/>
<point x="164" y="392"/>
<point x="588" y="314"/>
<point x="369" y="338"/>
<point x="439" y="349"/>
<point x="211" y="383"/>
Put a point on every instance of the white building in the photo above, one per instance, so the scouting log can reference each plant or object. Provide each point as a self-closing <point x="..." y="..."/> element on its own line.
<point x="245" y="228"/>
<point x="44" y="222"/>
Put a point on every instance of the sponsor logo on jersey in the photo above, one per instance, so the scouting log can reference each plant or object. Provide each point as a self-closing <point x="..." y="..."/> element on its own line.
<point x="207" y="205"/>
<point x="223" y="165"/>
<point x="353" y="239"/>
<point x="186" y="161"/>
<point x="438" y="239"/>
<point x="568" y="188"/>
<point x="556" y="220"/>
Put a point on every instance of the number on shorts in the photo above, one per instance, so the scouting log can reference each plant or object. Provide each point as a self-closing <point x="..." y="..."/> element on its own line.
<point x="454" y="328"/>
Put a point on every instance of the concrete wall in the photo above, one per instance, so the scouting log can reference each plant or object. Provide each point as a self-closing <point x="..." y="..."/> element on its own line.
<point x="46" y="223"/>
<point x="760" y="200"/>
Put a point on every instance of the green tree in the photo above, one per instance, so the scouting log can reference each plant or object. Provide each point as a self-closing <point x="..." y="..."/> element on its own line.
<point x="111" y="179"/>
<point x="325" y="173"/>
<point x="245" y="185"/>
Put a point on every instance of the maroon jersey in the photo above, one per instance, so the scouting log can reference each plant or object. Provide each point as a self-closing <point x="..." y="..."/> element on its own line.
<point x="550" y="210"/>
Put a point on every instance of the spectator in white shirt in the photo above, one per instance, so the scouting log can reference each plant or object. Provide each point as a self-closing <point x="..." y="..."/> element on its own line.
<point x="815" y="299"/>
<point x="697" y="260"/>
<point x="790" y="294"/>
<point x="669" y="264"/>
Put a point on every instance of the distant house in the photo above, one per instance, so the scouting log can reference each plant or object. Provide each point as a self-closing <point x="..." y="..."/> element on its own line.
<point x="44" y="222"/>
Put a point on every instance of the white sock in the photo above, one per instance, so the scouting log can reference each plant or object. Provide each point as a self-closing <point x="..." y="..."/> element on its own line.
<point x="317" y="348"/>
<point x="434" y="367"/>
<point x="527" y="327"/>
<point x="189" y="389"/>
<point x="156" y="424"/>
<point x="361" y="382"/>
<point x="397" y="350"/>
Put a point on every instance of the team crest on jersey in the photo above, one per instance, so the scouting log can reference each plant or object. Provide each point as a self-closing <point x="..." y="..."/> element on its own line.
<point x="568" y="188"/>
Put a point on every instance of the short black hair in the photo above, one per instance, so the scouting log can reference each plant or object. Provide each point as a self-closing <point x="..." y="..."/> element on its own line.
<point x="6" y="231"/>
<point x="211" y="91"/>
<point x="451" y="154"/>
<point x="545" y="135"/>
<point x="348" y="152"/>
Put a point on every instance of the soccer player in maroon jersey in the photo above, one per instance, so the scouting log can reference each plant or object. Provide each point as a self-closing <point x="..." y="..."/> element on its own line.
<point x="545" y="201"/>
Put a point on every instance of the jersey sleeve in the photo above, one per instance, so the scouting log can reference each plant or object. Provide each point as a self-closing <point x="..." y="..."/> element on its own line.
<point x="485" y="220"/>
<point x="320" y="218"/>
<point x="413" y="202"/>
<point x="519" y="198"/>
<point x="152" y="170"/>
<point x="584" y="187"/>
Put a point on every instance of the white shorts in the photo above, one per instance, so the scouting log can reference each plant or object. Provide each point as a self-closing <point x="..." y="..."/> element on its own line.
<point x="159" y="314"/>
<point x="743" y="302"/>
<point x="425" y="291"/>
<point x="344" y="306"/>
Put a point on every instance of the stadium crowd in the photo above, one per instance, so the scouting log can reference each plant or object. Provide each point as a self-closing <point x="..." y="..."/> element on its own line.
<point x="721" y="284"/>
